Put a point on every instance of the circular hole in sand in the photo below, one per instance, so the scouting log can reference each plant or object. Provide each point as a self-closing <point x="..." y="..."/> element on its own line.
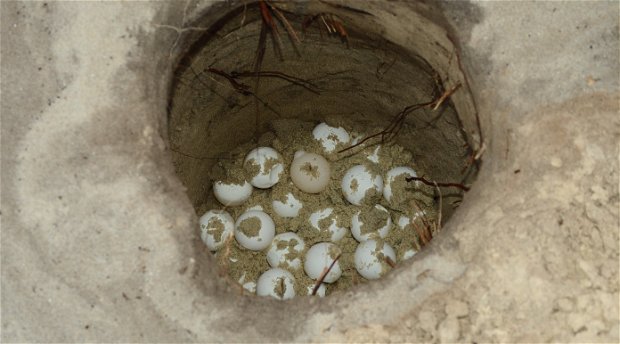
<point x="242" y="85"/>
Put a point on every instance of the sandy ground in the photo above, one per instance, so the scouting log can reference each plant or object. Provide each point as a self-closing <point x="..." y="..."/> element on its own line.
<point x="98" y="236"/>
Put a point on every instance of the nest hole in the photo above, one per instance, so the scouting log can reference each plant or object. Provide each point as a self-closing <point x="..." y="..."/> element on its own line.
<point x="261" y="72"/>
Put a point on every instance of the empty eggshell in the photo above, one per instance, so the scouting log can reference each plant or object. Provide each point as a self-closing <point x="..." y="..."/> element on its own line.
<point x="310" y="172"/>
<point x="404" y="221"/>
<point x="319" y="258"/>
<point x="286" y="251"/>
<point x="265" y="163"/>
<point x="361" y="186"/>
<point x="336" y="232"/>
<point x="319" y="292"/>
<point x="409" y="254"/>
<point x="250" y="286"/>
<point x="374" y="156"/>
<point x="215" y="227"/>
<point x="232" y="194"/>
<point x="395" y="181"/>
<point x="289" y="208"/>
<point x="378" y="223"/>
<point x="330" y="137"/>
<point x="254" y="230"/>
<point x="371" y="258"/>
<point x="277" y="283"/>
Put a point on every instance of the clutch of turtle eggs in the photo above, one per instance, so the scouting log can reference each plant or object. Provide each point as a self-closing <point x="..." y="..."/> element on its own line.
<point x="309" y="173"/>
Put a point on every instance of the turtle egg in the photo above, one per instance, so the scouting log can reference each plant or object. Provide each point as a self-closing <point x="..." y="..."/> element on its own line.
<point x="358" y="181"/>
<point x="215" y="227"/>
<point x="254" y="230"/>
<point x="288" y="208"/>
<point x="266" y="165"/>
<point x="286" y="251"/>
<point x="320" y="292"/>
<point x="371" y="258"/>
<point x="330" y="137"/>
<point x="376" y="222"/>
<point x="319" y="258"/>
<point x="232" y="194"/>
<point x="391" y="186"/>
<point x="336" y="232"/>
<point x="277" y="283"/>
<point x="310" y="172"/>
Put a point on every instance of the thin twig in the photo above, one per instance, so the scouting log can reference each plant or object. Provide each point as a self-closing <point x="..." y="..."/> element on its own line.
<point x="323" y="275"/>
<point x="397" y="123"/>
<point x="274" y="74"/>
<point x="433" y="183"/>
<point x="390" y="262"/>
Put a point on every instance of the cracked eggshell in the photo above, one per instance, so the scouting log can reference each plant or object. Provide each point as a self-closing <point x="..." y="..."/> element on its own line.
<point x="250" y="286"/>
<point x="318" y="259"/>
<point x="215" y="227"/>
<point x="370" y="259"/>
<point x="408" y="254"/>
<point x="232" y="194"/>
<point x="336" y="232"/>
<point x="270" y="166"/>
<point x="277" y="283"/>
<point x="330" y="137"/>
<point x="319" y="292"/>
<point x="288" y="208"/>
<point x="260" y="227"/>
<point x="358" y="181"/>
<point x="382" y="232"/>
<point x="374" y="156"/>
<point x="391" y="175"/>
<point x="285" y="251"/>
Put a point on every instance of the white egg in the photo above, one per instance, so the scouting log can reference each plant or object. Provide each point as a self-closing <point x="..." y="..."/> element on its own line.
<point x="288" y="208"/>
<point x="286" y="251"/>
<point x="318" y="260"/>
<point x="320" y="291"/>
<point x="330" y="137"/>
<point x="359" y="180"/>
<point x="336" y="232"/>
<point x="215" y="227"/>
<point x="391" y="175"/>
<point x="370" y="258"/>
<point x="362" y="233"/>
<point x="232" y="194"/>
<point x="254" y="230"/>
<point x="374" y="156"/>
<point x="409" y="254"/>
<point x="269" y="164"/>
<point x="277" y="283"/>
<point x="310" y="172"/>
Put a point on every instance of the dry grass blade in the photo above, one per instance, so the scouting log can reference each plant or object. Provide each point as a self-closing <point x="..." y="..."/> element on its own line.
<point x="325" y="272"/>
